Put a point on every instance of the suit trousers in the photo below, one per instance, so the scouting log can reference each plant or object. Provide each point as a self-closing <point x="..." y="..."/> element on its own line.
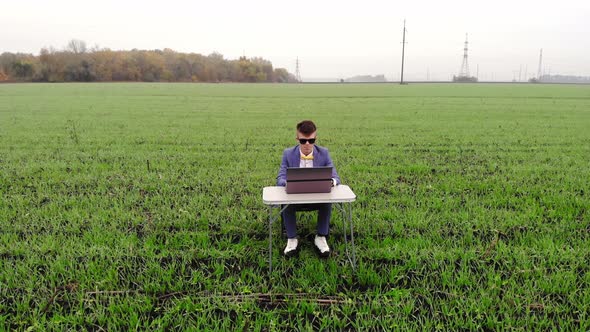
<point x="324" y="214"/>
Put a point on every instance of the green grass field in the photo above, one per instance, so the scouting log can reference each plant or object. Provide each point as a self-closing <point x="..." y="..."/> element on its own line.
<point x="139" y="207"/>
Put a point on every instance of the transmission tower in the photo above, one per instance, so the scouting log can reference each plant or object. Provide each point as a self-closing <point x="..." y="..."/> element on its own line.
<point x="465" y="65"/>
<point x="539" y="73"/>
<point x="297" y="72"/>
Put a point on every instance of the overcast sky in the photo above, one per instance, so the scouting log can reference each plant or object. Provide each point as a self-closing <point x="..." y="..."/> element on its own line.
<point x="333" y="39"/>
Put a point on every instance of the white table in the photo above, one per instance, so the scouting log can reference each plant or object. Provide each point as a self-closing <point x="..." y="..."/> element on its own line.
<point x="277" y="197"/>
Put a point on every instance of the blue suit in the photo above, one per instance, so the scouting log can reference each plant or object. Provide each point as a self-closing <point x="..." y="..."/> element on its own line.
<point x="292" y="158"/>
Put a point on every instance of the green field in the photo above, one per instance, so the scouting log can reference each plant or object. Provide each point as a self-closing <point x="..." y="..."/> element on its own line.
<point x="139" y="207"/>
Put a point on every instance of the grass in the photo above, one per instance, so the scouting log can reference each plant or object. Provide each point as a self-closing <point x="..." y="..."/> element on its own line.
<point x="138" y="206"/>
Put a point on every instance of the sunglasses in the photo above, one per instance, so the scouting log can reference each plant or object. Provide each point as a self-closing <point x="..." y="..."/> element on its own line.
<point x="305" y="140"/>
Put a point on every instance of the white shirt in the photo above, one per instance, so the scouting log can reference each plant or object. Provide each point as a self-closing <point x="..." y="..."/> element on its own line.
<point x="304" y="163"/>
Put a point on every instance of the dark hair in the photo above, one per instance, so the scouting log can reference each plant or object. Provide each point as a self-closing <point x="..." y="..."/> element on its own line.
<point x="306" y="127"/>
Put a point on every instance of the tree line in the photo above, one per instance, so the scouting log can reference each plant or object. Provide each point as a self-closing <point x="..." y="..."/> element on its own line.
<point x="76" y="63"/>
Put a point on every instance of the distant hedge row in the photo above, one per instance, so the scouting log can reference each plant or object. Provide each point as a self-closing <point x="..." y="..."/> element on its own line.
<point x="77" y="64"/>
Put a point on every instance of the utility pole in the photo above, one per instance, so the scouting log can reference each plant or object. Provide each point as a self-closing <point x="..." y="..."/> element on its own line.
<point x="401" y="81"/>
<point x="539" y="72"/>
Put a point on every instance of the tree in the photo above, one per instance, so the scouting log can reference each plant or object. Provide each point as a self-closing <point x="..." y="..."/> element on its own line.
<point x="6" y="60"/>
<point x="22" y="69"/>
<point x="80" y="70"/>
<point x="105" y="62"/>
<point x="52" y="66"/>
<point x="3" y="76"/>
<point x="77" y="46"/>
<point x="281" y="75"/>
<point x="17" y="66"/>
<point x="264" y="68"/>
<point x="217" y="69"/>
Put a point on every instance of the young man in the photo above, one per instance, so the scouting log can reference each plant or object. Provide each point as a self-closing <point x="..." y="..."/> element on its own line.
<point x="306" y="154"/>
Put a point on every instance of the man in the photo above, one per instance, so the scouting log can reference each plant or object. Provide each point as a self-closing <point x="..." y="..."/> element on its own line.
<point x="307" y="154"/>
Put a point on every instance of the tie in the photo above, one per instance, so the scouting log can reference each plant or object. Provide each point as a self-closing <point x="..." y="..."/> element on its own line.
<point x="310" y="157"/>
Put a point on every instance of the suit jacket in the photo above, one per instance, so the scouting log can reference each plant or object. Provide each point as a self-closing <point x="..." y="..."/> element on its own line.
<point x="292" y="157"/>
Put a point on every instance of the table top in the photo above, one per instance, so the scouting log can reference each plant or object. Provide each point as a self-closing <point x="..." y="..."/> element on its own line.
<point x="278" y="195"/>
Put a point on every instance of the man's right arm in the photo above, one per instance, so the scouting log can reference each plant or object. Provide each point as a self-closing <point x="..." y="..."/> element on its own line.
<point x="282" y="176"/>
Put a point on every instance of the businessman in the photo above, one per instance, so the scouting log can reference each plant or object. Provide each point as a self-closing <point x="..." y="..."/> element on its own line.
<point x="307" y="154"/>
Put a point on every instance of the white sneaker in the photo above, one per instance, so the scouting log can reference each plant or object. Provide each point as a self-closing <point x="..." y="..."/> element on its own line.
<point x="291" y="247"/>
<point x="322" y="245"/>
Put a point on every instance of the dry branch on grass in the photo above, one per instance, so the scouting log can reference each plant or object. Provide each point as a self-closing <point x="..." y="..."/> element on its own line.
<point x="491" y="246"/>
<point x="259" y="297"/>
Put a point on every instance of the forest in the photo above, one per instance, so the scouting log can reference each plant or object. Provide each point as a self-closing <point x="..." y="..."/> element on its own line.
<point x="77" y="63"/>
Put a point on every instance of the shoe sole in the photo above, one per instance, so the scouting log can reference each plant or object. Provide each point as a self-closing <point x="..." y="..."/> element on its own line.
<point x="291" y="253"/>
<point x="325" y="254"/>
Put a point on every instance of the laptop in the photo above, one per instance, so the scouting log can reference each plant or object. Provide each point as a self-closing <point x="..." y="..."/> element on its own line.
<point x="305" y="180"/>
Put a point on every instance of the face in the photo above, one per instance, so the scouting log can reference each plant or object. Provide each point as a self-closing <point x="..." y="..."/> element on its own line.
<point x="306" y="147"/>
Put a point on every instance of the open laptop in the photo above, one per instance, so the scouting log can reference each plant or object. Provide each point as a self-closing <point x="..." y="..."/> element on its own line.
<point x="304" y="180"/>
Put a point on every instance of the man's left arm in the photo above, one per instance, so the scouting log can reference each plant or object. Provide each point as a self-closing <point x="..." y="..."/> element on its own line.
<point x="335" y="177"/>
<point x="282" y="176"/>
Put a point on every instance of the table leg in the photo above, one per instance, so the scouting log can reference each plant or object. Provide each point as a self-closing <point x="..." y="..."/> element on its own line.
<point x="353" y="248"/>
<point x="270" y="239"/>
<point x="346" y="213"/>
<point x="344" y="221"/>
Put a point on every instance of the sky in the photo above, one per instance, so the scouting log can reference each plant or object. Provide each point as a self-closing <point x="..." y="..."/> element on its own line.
<point x="332" y="39"/>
